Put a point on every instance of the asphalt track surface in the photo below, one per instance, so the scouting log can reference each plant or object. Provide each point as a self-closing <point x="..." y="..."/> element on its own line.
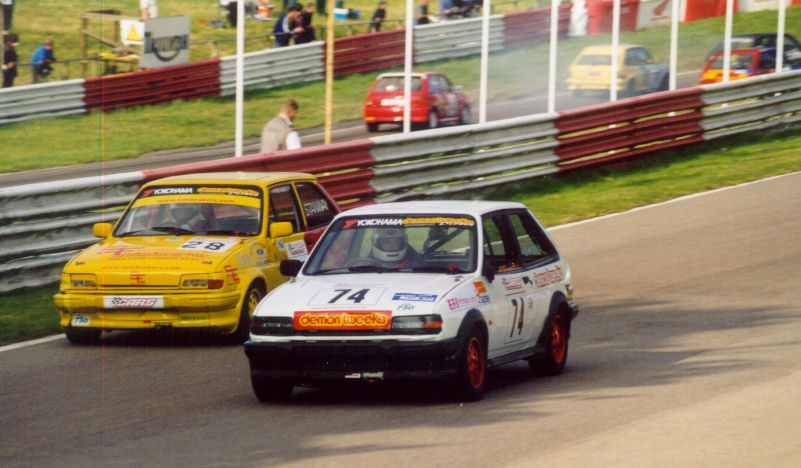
<point x="342" y="131"/>
<point x="686" y="353"/>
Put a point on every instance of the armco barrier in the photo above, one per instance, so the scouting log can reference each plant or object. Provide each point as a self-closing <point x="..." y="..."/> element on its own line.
<point x="42" y="225"/>
<point x="529" y="26"/>
<point x="189" y="81"/>
<point x="455" y="39"/>
<point x="43" y="100"/>
<point x="275" y="67"/>
<point x="369" y="52"/>
<point x="767" y="101"/>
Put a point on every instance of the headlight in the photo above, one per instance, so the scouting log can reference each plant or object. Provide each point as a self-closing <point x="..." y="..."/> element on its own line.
<point x="200" y="281"/>
<point x="83" y="281"/>
<point x="417" y="324"/>
<point x="271" y="325"/>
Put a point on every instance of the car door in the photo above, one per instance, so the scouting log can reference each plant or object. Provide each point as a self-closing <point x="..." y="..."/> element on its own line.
<point x="451" y="98"/>
<point x="539" y="261"/>
<point x="508" y="289"/>
<point x="282" y="205"/>
<point x="318" y="211"/>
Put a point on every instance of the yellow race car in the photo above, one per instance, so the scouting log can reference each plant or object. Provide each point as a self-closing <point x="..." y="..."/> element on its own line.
<point x="196" y="251"/>
<point x="638" y="72"/>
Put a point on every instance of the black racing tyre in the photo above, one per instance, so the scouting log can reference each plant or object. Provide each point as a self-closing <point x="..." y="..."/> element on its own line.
<point x="555" y="338"/>
<point x="372" y="127"/>
<point x="464" y="117"/>
<point x="433" y="119"/>
<point x="268" y="390"/>
<point x="252" y="298"/>
<point x="83" y="336"/>
<point x="472" y="361"/>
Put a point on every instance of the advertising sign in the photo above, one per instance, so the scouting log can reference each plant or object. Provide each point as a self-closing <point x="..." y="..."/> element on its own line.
<point x="166" y="42"/>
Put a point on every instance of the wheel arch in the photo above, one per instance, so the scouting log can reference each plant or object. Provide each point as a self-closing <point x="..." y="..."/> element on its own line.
<point x="472" y="318"/>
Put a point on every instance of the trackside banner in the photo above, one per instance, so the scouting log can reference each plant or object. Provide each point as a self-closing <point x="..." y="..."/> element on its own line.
<point x="166" y="42"/>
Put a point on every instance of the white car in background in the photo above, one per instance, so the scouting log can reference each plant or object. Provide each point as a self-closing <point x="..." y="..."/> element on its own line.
<point x="416" y="290"/>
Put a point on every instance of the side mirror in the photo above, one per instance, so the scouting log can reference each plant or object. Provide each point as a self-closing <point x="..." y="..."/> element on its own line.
<point x="102" y="230"/>
<point x="280" y="229"/>
<point x="488" y="270"/>
<point x="290" y="268"/>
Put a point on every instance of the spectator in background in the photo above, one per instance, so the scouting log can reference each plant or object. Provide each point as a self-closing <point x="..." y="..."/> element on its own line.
<point x="230" y="8"/>
<point x="279" y="133"/>
<point x="444" y="7"/>
<point x="305" y="22"/>
<point x="379" y="15"/>
<point x="41" y="60"/>
<point x="321" y="6"/>
<point x="287" y="26"/>
<point x="148" y="9"/>
<point x="9" y="60"/>
<point x="422" y="13"/>
<point x="8" y="13"/>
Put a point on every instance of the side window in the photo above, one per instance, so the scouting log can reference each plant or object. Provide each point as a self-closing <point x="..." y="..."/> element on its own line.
<point x="631" y="58"/>
<point x="283" y="206"/>
<point x="533" y="244"/>
<point x="446" y="84"/>
<point x="646" y="56"/>
<point x="433" y="85"/>
<point x="495" y="246"/>
<point x="316" y="207"/>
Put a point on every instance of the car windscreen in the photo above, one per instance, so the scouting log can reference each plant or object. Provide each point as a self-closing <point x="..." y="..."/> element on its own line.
<point x="394" y="84"/>
<point x="595" y="59"/>
<point x="739" y="61"/>
<point x="397" y="243"/>
<point x="194" y="209"/>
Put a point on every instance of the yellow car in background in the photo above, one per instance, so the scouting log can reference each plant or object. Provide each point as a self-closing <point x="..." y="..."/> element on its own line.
<point x="638" y="73"/>
<point x="196" y="251"/>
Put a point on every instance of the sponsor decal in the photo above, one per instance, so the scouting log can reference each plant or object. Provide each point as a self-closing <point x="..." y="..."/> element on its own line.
<point x="347" y="296"/>
<point x="231" y="271"/>
<point x="438" y="221"/>
<point x="549" y="276"/>
<point x="480" y="287"/>
<point x="80" y="320"/>
<point x="165" y="48"/>
<point x="296" y="249"/>
<point x="414" y="297"/>
<point x="512" y="284"/>
<point x="243" y="192"/>
<point x="133" y="302"/>
<point x="173" y="191"/>
<point x="459" y="302"/>
<point x="259" y="251"/>
<point x="343" y="320"/>
<point x="192" y="318"/>
<point x="137" y="278"/>
<point x="208" y="245"/>
<point x="315" y="207"/>
<point x="484" y="299"/>
<point x="406" y="307"/>
<point x="119" y="251"/>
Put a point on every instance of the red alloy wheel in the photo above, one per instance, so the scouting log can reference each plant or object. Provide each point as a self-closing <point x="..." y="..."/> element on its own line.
<point x="476" y="362"/>
<point x="558" y="339"/>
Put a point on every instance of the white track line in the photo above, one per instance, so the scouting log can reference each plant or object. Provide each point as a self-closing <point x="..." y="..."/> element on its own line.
<point x="25" y="344"/>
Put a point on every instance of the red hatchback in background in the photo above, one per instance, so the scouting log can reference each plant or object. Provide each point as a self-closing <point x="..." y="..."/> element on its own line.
<point x="434" y="99"/>
<point x="743" y="63"/>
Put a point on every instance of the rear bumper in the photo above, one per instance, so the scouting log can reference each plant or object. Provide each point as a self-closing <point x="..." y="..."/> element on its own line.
<point x="312" y="362"/>
<point x="386" y="114"/>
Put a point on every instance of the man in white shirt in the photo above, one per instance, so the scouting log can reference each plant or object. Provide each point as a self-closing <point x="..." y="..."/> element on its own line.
<point x="279" y="133"/>
<point x="149" y="9"/>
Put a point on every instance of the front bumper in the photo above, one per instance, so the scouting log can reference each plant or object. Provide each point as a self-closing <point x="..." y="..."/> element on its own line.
<point x="326" y="361"/>
<point x="190" y="310"/>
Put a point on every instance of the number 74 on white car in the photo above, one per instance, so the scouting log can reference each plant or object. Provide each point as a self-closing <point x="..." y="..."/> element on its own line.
<point x="416" y="290"/>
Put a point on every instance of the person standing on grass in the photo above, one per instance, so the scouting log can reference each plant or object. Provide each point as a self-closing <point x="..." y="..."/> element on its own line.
<point x="9" y="60"/>
<point x="41" y="61"/>
<point x="287" y="26"/>
<point x="305" y="22"/>
<point x="379" y="15"/>
<point x="8" y="13"/>
<point x="422" y="12"/>
<point x="279" y="133"/>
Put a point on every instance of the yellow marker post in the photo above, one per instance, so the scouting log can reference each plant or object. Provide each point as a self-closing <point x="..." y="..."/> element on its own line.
<point x="329" y="70"/>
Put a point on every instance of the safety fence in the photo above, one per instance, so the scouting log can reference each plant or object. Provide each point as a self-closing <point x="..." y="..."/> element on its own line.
<point x="270" y="68"/>
<point x="43" y="225"/>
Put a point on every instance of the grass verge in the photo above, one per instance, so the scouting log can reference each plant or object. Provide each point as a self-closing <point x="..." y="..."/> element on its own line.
<point x="584" y="194"/>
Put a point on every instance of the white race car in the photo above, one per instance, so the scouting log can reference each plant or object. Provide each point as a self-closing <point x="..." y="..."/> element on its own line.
<point x="422" y="290"/>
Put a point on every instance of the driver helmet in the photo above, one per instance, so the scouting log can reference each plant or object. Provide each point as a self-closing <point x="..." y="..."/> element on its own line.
<point x="183" y="212"/>
<point x="389" y="244"/>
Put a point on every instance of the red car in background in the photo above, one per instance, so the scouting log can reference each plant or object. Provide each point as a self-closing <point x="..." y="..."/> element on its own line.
<point x="434" y="99"/>
<point x="743" y="63"/>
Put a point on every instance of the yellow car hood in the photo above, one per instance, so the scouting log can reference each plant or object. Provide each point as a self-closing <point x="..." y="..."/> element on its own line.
<point x="158" y="260"/>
